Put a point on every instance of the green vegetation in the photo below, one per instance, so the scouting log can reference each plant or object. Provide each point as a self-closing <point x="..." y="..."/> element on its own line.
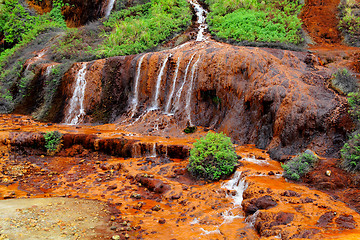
<point x="350" y="154"/>
<point x="298" y="166"/>
<point x="255" y="20"/>
<point x="144" y="26"/>
<point x="51" y="86"/>
<point x="189" y="129"/>
<point x="354" y="102"/>
<point x="349" y="22"/>
<point x="20" y="27"/>
<point x="344" y="82"/>
<point x="212" y="157"/>
<point x="52" y="141"/>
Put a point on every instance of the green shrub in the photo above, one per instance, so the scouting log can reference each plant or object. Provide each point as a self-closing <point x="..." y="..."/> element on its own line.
<point x="354" y="102"/>
<point x="349" y="22"/>
<point x="52" y="141"/>
<point x="298" y="166"/>
<point x="189" y="129"/>
<point x="212" y="157"/>
<point x="350" y="154"/>
<point x="255" y="20"/>
<point x="142" y="27"/>
<point x="344" y="82"/>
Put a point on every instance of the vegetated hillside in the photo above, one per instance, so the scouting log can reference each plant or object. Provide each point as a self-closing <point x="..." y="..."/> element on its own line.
<point x="350" y="21"/>
<point x="127" y="31"/>
<point x="250" y="21"/>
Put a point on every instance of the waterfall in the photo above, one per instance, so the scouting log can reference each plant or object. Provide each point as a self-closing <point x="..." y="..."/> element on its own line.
<point x="201" y="14"/>
<point x="153" y="150"/>
<point x="179" y="92"/>
<point x="189" y="93"/>
<point x="109" y="7"/>
<point x="76" y="109"/>
<point x="135" y="100"/>
<point x="238" y="185"/>
<point x="167" y="108"/>
<point x="155" y="104"/>
<point x="48" y="70"/>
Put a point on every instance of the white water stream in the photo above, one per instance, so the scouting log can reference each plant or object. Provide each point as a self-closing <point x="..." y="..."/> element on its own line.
<point x="167" y="107"/>
<point x="235" y="185"/>
<point x="135" y="99"/>
<point x="109" y="7"/>
<point x="201" y="14"/>
<point x="76" y="109"/>
<point x="155" y="104"/>
<point x="190" y="90"/>
<point x="179" y="92"/>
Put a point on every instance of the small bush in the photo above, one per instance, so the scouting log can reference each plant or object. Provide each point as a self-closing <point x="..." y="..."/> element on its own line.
<point x="212" y="157"/>
<point x="349" y="22"/>
<point x="256" y="21"/>
<point x="350" y="154"/>
<point x="354" y="102"/>
<point x="189" y="129"/>
<point x="52" y="142"/>
<point x="343" y="81"/>
<point x="298" y="166"/>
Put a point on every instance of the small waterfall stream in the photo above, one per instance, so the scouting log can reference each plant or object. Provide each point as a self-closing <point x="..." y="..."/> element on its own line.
<point x="167" y="107"/>
<point x="179" y="92"/>
<point x="201" y="14"/>
<point x="135" y="99"/>
<point x="109" y="7"/>
<point x="189" y="92"/>
<point x="155" y="104"/>
<point x="76" y="110"/>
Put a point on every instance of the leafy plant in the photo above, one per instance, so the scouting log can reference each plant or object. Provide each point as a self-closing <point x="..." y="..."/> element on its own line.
<point x="344" y="82"/>
<point x="212" y="157"/>
<point x="52" y="141"/>
<point x="190" y="129"/>
<point x="142" y="27"/>
<point x="354" y="102"/>
<point x="255" y="20"/>
<point x="298" y="166"/>
<point x="350" y="154"/>
<point x="349" y="22"/>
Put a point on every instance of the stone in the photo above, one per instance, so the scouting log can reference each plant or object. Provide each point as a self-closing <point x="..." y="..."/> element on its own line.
<point x="115" y="237"/>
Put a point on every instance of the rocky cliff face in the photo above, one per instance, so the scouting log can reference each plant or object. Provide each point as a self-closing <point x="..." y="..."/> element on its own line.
<point x="276" y="99"/>
<point x="76" y="12"/>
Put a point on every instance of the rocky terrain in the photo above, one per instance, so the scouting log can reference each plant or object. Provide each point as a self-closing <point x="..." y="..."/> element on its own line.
<point x="121" y="171"/>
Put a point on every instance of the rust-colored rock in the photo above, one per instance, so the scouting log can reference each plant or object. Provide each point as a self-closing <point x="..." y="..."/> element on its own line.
<point x="264" y="202"/>
<point x="153" y="184"/>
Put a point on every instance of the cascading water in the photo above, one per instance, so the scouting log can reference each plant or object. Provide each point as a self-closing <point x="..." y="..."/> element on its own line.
<point x="237" y="185"/>
<point x="201" y="14"/>
<point x="179" y="92"/>
<point x="109" y="7"/>
<point x="189" y="93"/>
<point x="76" y="110"/>
<point x="135" y="99"/>
<point x="155" y="104"/>
<point x="167" y="107"/>
<point x="48" y="70"/>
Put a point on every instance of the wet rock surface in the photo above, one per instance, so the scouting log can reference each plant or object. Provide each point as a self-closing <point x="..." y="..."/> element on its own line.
<point x="152" y="197"/>
<point x="276" y="99"/>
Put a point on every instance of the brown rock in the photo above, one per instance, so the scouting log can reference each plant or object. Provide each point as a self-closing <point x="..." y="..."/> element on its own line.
<point x="264" y="202"/>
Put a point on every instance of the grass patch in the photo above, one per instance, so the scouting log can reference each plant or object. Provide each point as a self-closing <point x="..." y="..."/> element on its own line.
<point x="142" y="27"/>
<point x="255" y="20"/>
